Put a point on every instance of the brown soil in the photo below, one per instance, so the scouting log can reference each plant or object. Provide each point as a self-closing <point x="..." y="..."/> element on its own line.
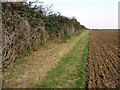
<point x="103" y="63"/>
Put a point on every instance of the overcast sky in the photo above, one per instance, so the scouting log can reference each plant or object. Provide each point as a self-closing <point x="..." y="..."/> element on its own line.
<point x="91" y="13"/>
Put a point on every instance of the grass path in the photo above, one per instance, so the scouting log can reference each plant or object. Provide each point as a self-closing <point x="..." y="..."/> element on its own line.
<point x="34" y="68"/>
<point x="71" y="70"/>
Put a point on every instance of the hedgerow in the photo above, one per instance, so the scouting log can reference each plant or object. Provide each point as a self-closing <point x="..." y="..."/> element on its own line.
<point x="26" y="28"/>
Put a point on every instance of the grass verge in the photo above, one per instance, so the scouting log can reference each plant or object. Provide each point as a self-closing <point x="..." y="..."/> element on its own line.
<point x="71" y="70"/>
<point x="32" y="69"/>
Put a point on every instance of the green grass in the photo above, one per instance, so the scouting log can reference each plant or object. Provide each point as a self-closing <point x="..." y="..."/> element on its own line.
<point x="70" y="72"/>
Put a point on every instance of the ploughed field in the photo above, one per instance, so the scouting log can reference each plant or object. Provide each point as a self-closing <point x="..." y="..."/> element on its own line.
<point x="103" y="62"/>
